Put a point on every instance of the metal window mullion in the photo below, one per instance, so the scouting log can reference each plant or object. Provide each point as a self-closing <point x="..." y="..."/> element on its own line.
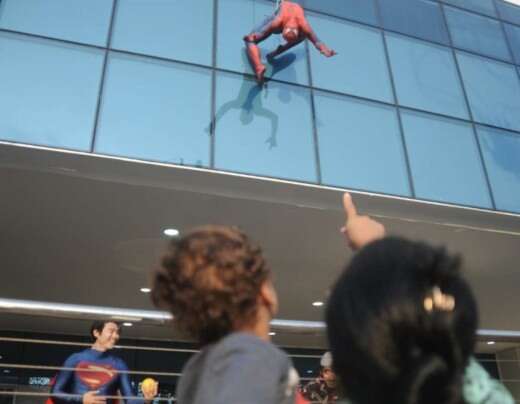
<point x="103" y="75"/>
<point x="313" y="116"/>
<point x="212" y="120"/>
<point x="470" y="113"/>
<point x="506" y="38"/>
<point x="396" y="102"/>
<point x="508" y="44"/>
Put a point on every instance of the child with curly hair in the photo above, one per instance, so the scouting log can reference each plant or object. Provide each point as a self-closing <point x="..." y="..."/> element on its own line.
<point x="218" y="287"/>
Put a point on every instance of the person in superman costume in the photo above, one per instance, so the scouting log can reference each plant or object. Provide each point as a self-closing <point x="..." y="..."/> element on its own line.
<point x="95" y="376"/>
<point x="289" y="21"/>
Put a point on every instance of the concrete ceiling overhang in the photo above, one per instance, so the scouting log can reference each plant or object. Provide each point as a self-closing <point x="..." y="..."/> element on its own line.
<point x="85" y="229"/>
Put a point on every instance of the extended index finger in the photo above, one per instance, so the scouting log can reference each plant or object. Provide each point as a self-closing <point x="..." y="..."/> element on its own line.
<point x="348" y="205"/>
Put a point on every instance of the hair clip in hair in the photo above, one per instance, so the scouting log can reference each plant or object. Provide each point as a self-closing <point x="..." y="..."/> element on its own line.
<point x="439" y="301"/>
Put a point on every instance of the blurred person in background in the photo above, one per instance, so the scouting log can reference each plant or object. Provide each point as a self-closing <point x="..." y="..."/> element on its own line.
<point x="323" y="389"/>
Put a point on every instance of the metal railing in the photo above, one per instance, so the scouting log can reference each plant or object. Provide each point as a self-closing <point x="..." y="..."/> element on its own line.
<point x="155" y="317"/>
<point x="14" y="387"/>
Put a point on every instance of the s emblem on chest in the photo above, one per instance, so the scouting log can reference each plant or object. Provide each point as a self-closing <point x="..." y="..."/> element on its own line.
<point x="95" y="375"/>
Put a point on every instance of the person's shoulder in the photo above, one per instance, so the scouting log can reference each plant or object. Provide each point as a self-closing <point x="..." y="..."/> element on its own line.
<point x="243" y="342"/>
<point x="77" y="356"/>
<point x="249" y="348"/>
<point x="196" y="362"/>
<point x="120" y="363"/>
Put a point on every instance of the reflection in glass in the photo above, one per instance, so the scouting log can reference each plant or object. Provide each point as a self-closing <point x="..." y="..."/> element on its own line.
<point x="477" y="33"/>
<point x="444" y="160"/>
<point x="155" y="111"/>
<point x="419" y="18"/>
<point x="360" y="66"/>
<point x="360" y="145"/>
<point x="263" y="130"/>
<point x="480" y="6"/>
<point x="180" y="30"/>
<point x="493" y="90"/>
<point x="425" y="76"/>
<point x="238" y="18"/>
<point x="80" y="21"/>
<point x="48" y="92"/>
<point x="501" y="150"/>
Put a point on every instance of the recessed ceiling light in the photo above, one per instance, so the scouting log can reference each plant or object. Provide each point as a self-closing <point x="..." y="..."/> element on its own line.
<point x="309" y="371"/>
<point x="317" y="304"/>
<point x="128" y="324"/>
<point x="171" y="232"/>
<point x="491" y="342"/>
<point x="1" y="357"/>
<point x="272" y="333"/>
<point x="145" y="290"/>
<point x="7" y="371"/>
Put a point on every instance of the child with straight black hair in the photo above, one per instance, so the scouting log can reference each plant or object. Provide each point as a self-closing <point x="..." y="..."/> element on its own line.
<point x="401" y="323"/>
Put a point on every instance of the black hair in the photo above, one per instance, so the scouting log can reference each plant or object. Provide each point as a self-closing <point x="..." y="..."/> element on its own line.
<point x="98" y="326"/>
<point x="386" y="346"/>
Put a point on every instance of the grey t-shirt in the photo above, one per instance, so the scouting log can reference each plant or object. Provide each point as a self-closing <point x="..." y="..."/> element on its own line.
<point x="239" y="369"/>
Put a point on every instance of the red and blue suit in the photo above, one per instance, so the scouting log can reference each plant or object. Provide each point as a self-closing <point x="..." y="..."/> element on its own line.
<point x="92" y="370"/>
<point x="289" y="21"/>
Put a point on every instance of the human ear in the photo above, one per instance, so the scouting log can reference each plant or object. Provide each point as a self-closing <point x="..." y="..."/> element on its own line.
<point x="268" y="297"/>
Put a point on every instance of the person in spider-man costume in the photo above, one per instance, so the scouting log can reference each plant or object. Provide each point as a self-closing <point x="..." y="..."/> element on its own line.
<point x="96" y="376"/>
<point x="290" y="22"/>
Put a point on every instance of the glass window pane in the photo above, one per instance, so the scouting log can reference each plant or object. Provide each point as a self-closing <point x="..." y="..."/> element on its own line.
<point x="425" y="76"/>
<point x="493" y="90"/>
<point x="74" y="20"/>
<point x="513" y="34"/>
<point x="238" y="18"/>
<point x="420" y="18"/>
<point x="265" y="132"/>
<point x="501" y="150"/>
<point x="480" y="6"/>
<point x="477" y="33"/>
<point x="444" y="160"/>
<point x="509" y="12"/>
<point x="155" y="111"/>
<point x="50" y="97"/>
<point x="358" y="10"/>
<point x="181" y="29"/>
<point x="360" y="66"/>
<point x="360" y="145"/>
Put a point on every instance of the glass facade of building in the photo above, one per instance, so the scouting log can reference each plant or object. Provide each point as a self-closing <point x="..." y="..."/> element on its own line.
<point x="422" y="100"/>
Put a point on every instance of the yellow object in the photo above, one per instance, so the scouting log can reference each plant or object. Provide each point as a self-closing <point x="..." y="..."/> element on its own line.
<point x="148" y="384"/>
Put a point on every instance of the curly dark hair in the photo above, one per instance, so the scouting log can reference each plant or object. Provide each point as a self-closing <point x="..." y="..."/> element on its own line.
<point x="210" y="280"/>
<point x="387" y="347"/>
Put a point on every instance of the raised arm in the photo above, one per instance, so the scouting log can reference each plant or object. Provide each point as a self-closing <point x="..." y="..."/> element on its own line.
<point x="359" y="230"/>
<point x="311" y="36"/>
<point x="125" y="387"/>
